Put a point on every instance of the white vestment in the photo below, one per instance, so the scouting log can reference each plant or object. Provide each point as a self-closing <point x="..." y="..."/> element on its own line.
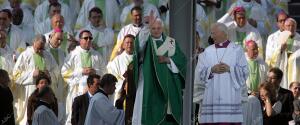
<point x="118" y="67"/>
<point x="59" y="87"/>
<point x="282" y="60"/>
<point x="6" y="60"/>
<point x="72" y="74"/>
<point x="250" y="34"/>
<point x="104" y="39"/>
<point x="27" y="15"/>
<point x="294" y="67"/>
<point x="64" y="43"/>
<point x="102" y="112"/>
<point x="252" y="111"/>
<point x="125" y="16"/>
<point x="41" y="13"/>
<point x="45" y="27"/>
<point x="263" y="69"/>
<point x="111" y="12"/>
<point x="16" y="43"/>
<point x="23" y="76"/>
<point x="218" y="92"/>
<point x="44" y="116"/>
<point x="272" y="45"/>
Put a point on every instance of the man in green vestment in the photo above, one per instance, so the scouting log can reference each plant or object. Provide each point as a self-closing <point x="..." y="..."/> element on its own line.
<point x="159" y="73"/>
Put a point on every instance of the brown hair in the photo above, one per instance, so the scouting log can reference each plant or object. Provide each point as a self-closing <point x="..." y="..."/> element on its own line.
<point x="270" y="90"/>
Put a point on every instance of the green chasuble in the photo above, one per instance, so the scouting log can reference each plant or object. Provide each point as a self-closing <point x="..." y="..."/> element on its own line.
<point x="85" y="58"/>
<point x="161" y="85"/>
<point x="54" y="53"/>
<point x="39" y="62"/>
<point x="240" y="37"/>
<point x="64" y="42"/>
<point x="254" y="75"/>
<point x="290" y="43"/>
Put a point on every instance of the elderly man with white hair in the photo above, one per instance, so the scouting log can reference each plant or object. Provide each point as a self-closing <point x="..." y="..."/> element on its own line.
<point x="286" y="54"/>
<point x="220" y="75"/>
<point x="159" y="66"/>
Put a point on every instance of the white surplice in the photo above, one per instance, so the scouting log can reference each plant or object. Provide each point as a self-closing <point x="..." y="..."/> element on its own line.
<point x="23" y="77"/>
<point x="218" y="92"/>
<point x="272" y="45"/>
<point x="44" y="116"/>
<point x="102" y="112"/>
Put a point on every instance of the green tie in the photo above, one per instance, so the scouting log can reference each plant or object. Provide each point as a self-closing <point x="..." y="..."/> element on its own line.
<point x="240" y="36"/>
<point x="86" y="60"/>
<point x="39" y="62"/>
<point x="54" y="52"/>
<point x="254" y="75"/>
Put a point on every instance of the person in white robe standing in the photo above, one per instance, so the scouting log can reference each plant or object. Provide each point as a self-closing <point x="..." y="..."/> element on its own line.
<point x="101" y="111"/>
<point x="110" y="11"/>
<point x="221" y="73"/>
<point x="29" y="65"/>
<point x="241" y="31"/>
<point x="119" y="65"/>
<point x="257" y="68"/>
<point x="133" y="29"/>
<point x="103" y="36"/>
<point x="6" y="55"/>
<point x="78" y="65"/>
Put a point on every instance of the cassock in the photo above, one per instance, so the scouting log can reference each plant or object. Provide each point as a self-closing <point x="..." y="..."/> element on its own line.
<point x="118" y="67"/>
<point x="159" y="85"/>
<point x="44" y="116"/>
<point x="41" y="13"/>
<point x="257" y="73"/>
<point x="220" y="92"/>
<point x="128" y="29"/>
<point x="45" y="27"/>
<point x="125" y="16"/>
<point x="72" y="72"/>
<point x="59" y="87"/>
<point x="103" y="38"/>
<point x="109" y="9"/>
<point x="242" y="34"/>
<point x="102" y="112"/>
<point x="23" y="70"/>
<point x="286" y="59"/>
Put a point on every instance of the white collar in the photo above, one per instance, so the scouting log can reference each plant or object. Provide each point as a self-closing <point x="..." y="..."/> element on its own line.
<point x="160" y="38"/>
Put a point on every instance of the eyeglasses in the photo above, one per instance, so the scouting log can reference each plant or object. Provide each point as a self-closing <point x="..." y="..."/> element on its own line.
<point x="87" y="38"/>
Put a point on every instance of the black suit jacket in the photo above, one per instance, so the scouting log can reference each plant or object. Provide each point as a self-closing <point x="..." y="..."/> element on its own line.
<point x="286" y="98"/>
<point x="79" y="109"/>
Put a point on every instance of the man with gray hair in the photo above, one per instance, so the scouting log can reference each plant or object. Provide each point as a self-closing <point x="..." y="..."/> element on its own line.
<point x="285" y="55"/>
<point x="159" y="72"/>
<point x="220" y="77"/>
<point x="32" y="62"/>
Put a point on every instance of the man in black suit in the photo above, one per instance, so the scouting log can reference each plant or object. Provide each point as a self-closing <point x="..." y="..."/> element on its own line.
<point x="283" y="95"/>
<point x="81" y="103"/>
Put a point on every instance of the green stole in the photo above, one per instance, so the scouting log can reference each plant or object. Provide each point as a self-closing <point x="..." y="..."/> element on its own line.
<point x="39" y="62"/>
<point x="240" y="37"/>
<point x="64" y="42"/>
<point x="54" y="52"/>
<point x="254" y="74"/>
<point x="102" y="5"/>
<point x="290" y="42"/>
<point x="86" y="60"/>
<point x="160" y="84"/>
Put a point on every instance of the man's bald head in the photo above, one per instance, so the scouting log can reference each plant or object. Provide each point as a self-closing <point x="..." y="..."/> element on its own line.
<point x="252" y="49"/>
<point x="57" y="21"/>
<point x="157" y="28"/>
<point x="219" y="32"/>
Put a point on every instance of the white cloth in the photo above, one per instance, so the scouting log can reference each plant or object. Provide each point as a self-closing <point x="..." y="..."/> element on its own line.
<point x="272" y="45"/>
<point x="66" y="34"/>
<point x="263" y="69"/>
<point x="6" y="60"/>
<point x="281" y="60"/>
<point x="27" y="33"/>
<point x="251" y="34"/>
<point x="147" y="8"/>
<point x="102" y="112"/>
<point x="45" y="27"/>
<point x="252" y="111"/>
<point x="16" y="42"/>
<point x="41" y="13"/>
<point x="27" y="14"/>
<point x="294" y="67"/>
<point x="104" y="38"/>
<point x="222" y="91"/>
<point x="118" y="67"/>
<point x="72" y="74"/>
<point x="44" y="116"/>
<point x="23" y="75"/>
<point x="112" y="16"/>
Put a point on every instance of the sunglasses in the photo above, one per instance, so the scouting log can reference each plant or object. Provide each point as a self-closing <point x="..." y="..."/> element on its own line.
<point x="87" y="38"/>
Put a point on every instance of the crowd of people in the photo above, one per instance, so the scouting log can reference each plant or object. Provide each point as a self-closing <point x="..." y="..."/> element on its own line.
<point x="111" y="62"/>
